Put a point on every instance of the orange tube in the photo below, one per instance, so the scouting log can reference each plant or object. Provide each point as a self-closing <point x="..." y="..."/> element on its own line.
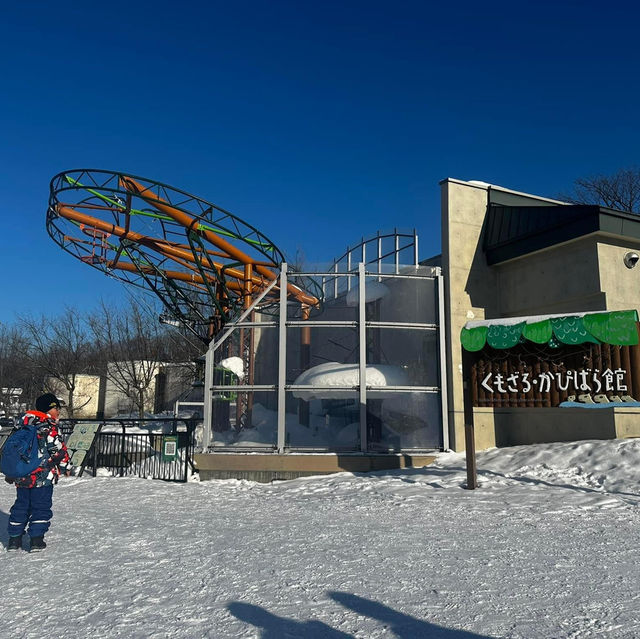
<point x="189" y="222"/>
<point x="160" y="246"/>
<point x="176" y="275"/>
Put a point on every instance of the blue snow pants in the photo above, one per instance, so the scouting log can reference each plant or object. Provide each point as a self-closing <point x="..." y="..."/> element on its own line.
<point x="33" y="507"/>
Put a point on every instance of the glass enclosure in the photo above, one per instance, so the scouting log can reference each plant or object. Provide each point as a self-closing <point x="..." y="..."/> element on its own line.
<point x="291" y="379"/>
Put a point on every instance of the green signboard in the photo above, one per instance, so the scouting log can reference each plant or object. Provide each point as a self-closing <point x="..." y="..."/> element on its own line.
<point x="80" y="443"/>
<point x="169" y="447"/>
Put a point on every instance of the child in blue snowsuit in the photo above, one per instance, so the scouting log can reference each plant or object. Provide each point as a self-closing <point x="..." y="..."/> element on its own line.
<point x="35" y="491"/>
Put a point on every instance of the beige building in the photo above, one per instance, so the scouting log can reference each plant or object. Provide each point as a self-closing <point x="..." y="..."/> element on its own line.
<point x="86" y="396"/>
<point x="100" y="397"/>
<point x="508" y="254"/>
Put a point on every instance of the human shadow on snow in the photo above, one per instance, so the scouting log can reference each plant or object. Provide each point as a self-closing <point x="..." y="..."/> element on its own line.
<point x="278" y="627"/>
<point x="403" y="626"/>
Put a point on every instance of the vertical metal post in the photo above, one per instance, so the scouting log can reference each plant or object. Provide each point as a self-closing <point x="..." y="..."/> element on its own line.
<point x="207" y="416"/>
<point x="397" y="250"/>
<point x="282" y="358"/>
<point x="364" y="251"/>
<point x="469" y="426"/>
<point x="415" y="248"/>
<point x="442" y="338"/>
<point x="335" y="281"/>
<point x="362" y="339"/>
<point x="379" y="256"/>
<point x="348" y="269"/>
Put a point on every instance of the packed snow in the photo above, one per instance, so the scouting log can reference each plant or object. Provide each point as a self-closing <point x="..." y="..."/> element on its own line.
<point x="546" y="547"/>
<point x="324" y="377"/>
<point x="527" y="319"/>
<point x="235" y="365"/>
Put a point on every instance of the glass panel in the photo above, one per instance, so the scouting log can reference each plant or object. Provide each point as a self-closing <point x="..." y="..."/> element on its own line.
<point x="401" y="421"/>
<point x="406" y="357"/>
<point x="343" y="282"/>
<point x="246" y="420"/>
<point x="330" y="422"/>
<point x="340" y="309"/>
<point x="266" y="315"/>
<point x="332" y="348"/>
<point x="264" y="342"/>
<point x="404" y="299"/>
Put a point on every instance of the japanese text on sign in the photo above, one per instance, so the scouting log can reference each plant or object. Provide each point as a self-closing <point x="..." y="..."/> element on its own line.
<point x="587" y="380"/>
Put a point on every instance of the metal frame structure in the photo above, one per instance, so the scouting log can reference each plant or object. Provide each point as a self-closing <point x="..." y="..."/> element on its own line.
<point x="213" y="273"/>
<point x="361" y="252"/>
<point x="362" y="324"/>
<point x="204" y="263"/>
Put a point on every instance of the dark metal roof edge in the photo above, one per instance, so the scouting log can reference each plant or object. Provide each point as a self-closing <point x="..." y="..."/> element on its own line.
<point x="565" y="231"/>
<point x="562" y="222"/>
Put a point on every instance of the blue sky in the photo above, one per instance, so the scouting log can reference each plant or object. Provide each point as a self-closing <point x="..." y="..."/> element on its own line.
<point x="316" y="122"/>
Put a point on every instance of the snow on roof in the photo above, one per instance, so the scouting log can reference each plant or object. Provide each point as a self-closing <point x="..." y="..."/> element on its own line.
<point x="528" y="319"/>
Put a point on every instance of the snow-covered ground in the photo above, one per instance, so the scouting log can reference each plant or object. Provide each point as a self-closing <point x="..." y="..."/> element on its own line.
<point x="547" y="547"/>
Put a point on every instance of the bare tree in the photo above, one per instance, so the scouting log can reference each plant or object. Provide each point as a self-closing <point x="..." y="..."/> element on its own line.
<point x="59" y="349"/>
<point x="132" y="349"/>
<point x="17" y="381"/>
<point x="619" y="191"/>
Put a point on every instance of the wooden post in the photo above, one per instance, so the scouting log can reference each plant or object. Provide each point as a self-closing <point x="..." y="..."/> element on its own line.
<point x="469" y="429"/>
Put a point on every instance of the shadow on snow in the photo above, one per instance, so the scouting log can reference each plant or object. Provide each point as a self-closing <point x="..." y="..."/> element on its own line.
<point x="402" y="625"/>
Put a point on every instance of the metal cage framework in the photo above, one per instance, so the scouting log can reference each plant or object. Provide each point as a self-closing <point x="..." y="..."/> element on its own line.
<point x="204" y="263"/>
<point x="364" y="326"/>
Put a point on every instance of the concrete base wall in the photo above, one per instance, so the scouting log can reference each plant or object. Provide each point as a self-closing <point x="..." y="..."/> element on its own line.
<point x="516" y="426"/>
<point x="269" y="466"/>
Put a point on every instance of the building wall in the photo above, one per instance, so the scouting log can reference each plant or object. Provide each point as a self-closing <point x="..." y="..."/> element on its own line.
<point x="587" y="274"/>
<point x="178" y="379"/>
<point x="470" y="284"/>
<point x="621" y="285"/>
<point x="116" y="401"/>
<point x="85" y="396"/>
<point x="564" y="278"/>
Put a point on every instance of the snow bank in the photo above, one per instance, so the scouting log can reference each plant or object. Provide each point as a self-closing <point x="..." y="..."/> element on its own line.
<point x="331" y="374"/>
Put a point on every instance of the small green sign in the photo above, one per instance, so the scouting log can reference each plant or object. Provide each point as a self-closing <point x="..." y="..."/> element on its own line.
<point x="169" y="448"/>
<point x="80" y="442"/>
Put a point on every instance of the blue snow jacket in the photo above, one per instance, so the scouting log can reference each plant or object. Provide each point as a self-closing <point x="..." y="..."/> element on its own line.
<point x="52" y="447"/>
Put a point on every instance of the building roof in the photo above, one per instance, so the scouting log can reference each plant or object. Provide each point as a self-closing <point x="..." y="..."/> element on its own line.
<point x="608" y="327"/>
<point x="514" y="231"/>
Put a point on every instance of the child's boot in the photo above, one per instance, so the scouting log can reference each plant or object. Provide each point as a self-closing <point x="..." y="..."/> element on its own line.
<point x="15" y="543"/>
<point x="37" y="544"/>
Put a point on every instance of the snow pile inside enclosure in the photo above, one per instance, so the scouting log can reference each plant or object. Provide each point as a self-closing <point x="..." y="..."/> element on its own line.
<point x="264" y="431"/>
<point x="337" y="374"/>
<point x="372" y="291"/>
<point x="235" y="365"/>
<point x="546" y="547"/>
